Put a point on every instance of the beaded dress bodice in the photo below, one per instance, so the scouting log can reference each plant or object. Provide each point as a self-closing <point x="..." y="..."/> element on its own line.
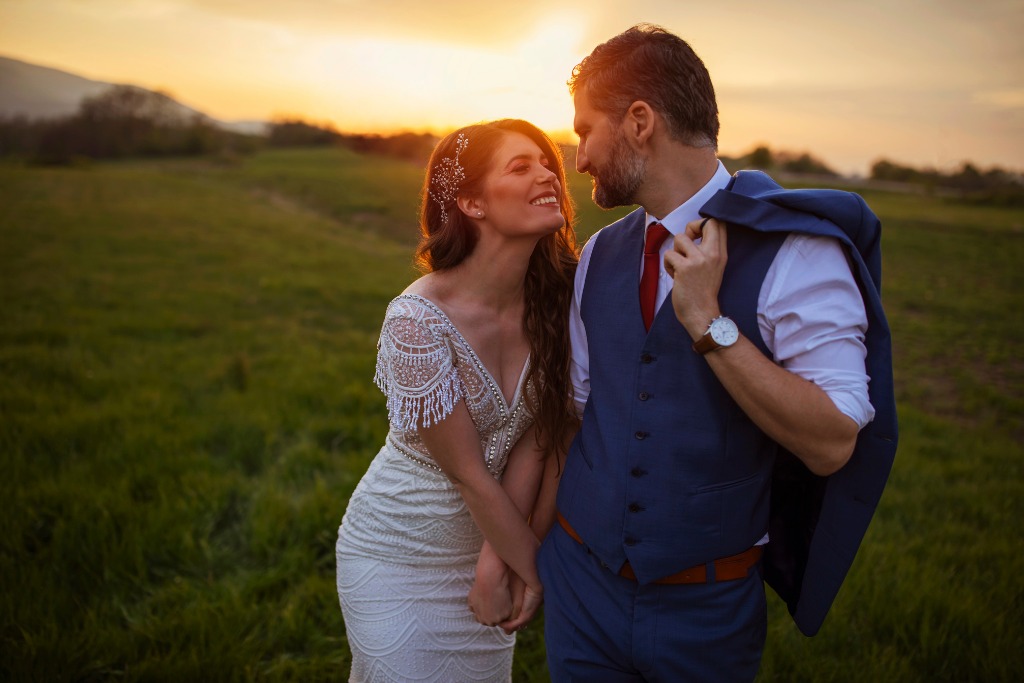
<point x="405" y="509"/>
<point x="424" y="367"/>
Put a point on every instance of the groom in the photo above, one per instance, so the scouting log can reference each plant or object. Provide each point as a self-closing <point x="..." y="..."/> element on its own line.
<point x="721" y="440"/>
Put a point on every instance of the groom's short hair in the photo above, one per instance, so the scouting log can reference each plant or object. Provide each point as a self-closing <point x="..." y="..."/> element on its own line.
<point x="650" y="64"/>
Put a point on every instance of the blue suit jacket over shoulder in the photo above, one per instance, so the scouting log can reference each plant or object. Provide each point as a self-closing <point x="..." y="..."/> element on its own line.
<point x="817" y="523"/>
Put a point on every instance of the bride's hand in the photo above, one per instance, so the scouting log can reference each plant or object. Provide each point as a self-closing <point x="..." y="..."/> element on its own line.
<point x="490" y="599"/>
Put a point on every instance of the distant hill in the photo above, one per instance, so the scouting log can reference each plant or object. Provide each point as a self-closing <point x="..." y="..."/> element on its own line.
<point x="39" y="92"/>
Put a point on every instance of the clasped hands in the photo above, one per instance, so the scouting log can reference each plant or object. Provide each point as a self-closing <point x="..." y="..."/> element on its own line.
<point x="500" y="598"/>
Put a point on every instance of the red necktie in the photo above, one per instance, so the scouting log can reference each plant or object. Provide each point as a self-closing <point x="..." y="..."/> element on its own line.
<point x="656" y="234"/>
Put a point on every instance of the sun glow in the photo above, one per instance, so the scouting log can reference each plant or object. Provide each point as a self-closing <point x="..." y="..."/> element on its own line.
<point x="845" y="85"/>
<point x="383" y="85"/>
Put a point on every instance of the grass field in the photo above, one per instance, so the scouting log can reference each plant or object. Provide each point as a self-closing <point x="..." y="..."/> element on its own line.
<point x="186" y="354"/>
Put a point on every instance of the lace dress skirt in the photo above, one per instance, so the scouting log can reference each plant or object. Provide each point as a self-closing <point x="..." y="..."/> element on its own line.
<point x="406" y="556"/>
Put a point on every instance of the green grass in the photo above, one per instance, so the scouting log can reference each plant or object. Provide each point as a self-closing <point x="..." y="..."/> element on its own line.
<point x="186" y="353"/>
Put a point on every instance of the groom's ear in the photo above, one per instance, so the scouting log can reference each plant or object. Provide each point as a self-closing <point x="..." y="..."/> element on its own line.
<point x="639" y="122"/>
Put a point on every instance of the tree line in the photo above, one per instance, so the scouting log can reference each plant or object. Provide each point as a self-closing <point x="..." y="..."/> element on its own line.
<point x="290" y="132"/>
<point x="992" y="186"/>
<point x="968" y="182"/>
<point x="126" y="121"/>
<point x="764" y="159"/>
<point x="123" y="121"/>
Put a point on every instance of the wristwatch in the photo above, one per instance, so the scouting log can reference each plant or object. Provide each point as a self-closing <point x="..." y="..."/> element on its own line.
<point x="722" y="332"/>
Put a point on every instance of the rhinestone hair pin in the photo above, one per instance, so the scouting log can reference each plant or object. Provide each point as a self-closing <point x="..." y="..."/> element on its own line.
<point x="448" y="175"/>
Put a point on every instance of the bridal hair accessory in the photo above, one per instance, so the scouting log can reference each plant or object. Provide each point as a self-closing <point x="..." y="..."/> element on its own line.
<point x="448" y="174"/>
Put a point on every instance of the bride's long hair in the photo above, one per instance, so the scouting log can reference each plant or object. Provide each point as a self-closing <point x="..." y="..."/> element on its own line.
<point x="447" y="236"/>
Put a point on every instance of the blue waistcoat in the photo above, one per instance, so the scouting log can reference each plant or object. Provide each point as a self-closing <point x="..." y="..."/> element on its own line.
<point x="666" y="471"/>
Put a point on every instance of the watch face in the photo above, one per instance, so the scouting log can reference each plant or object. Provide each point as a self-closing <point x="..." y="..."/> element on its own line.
<point x="724" y="332"/>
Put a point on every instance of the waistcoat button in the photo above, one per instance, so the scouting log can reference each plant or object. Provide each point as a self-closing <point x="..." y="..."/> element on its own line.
<point x="637" y="472"/>
<point x="644" y="396"/>
<point x="641" y="435"/>
<point x="647" y="358"/>
<point x="631" y="541"/>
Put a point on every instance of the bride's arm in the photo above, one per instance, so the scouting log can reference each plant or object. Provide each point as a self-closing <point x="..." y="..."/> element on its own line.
<point x="543" y="515"/>
<point x="455" y="446"/>
<point x="521" y="480"/>
<point x="490" y="598"/>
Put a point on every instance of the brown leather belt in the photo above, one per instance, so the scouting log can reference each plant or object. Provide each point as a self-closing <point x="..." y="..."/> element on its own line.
<point x="726" y="568"/>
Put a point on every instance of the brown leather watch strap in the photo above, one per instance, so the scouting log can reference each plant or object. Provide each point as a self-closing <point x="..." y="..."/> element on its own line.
<point x="706" y="344"/>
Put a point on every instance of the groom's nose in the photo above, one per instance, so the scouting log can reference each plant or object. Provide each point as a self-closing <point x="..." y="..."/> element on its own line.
<point x="582" y="162"/>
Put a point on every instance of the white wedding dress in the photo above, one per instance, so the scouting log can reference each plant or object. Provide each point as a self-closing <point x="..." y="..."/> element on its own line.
<point x="407" y="546"/>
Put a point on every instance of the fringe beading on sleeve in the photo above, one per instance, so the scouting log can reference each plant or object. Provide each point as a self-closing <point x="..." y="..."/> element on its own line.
<point x="417" y="373"/>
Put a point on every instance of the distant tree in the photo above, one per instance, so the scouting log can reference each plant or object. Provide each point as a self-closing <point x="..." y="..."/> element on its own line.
<point x="19" y="136"/>
<point x="409" y="146"/>
<point x="883" y="169"/>
<point x="886" y="170"/>
<point x="763" y="158"/>
<point x="294" y="132"/>
<point x="126" y="121"/>
<point x="969" y="178"/>
<point x="412" y="146"/>
<point x="760" y="158"/>
<point x="969" y="183"/>
<point x="299" y="133"/>
<point x="807" y="165"/>
<point x="126" y="102"/>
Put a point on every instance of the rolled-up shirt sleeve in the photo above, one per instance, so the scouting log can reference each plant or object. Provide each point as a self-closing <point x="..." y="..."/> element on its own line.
<point x="811" y="315"/>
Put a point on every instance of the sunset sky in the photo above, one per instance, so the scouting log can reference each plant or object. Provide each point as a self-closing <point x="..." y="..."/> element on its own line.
<point x="922" y="82"/>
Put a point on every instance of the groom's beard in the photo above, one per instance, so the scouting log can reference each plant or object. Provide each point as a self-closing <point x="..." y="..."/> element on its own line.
<point x="617" y="183"/>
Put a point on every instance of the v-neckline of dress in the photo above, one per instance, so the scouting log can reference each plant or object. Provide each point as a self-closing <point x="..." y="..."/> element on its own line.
<point x="506" y="404"/>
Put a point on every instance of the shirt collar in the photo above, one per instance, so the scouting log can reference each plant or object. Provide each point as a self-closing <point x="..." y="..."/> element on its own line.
<point x="675" y="222"/>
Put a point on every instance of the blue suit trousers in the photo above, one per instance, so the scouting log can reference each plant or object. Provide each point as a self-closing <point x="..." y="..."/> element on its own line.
<point x="602" y="628"/>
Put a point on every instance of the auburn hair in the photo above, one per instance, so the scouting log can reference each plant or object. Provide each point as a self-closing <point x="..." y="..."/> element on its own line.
<point x="447" y="237"/>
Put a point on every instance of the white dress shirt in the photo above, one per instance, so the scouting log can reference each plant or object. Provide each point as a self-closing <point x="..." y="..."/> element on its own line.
<point x="810" y="312"/>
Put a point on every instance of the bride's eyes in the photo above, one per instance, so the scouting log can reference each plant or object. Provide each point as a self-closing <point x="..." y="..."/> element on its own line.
<point x="525" y="166"/>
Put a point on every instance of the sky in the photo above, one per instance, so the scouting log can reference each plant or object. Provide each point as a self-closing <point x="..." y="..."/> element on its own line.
<point x="919" y="82"/>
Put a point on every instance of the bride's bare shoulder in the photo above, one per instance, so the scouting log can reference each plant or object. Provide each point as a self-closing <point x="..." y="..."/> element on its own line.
<point x="430" y="286"/>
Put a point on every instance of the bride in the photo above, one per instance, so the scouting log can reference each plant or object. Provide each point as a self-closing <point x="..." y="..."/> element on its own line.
<point x="435" y="555"/>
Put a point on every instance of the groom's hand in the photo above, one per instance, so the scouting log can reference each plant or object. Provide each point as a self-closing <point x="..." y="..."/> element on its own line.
<point x="696" y="271"/>
<point x="530" y="601"/>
